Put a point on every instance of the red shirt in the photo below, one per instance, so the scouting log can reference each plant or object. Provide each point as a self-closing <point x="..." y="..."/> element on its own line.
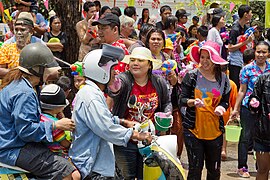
<point x="147" y="100"/>
<point x="121" y="67"/>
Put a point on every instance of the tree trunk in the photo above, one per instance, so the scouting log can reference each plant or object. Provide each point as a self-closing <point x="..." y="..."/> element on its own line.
<point x="69" y="11"/>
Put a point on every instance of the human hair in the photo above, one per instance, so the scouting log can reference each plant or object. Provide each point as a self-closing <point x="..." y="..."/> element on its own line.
<point x="145" y="9"/>
<point x="248" y="55"/>
<point x="243" y="9"/>
<point x="52" y="19"/>
<point x="145" y="29"/>
<point x="154" y="30"/>
<point x="215" y="20"/>
<point x="170" y="21"/>
<point x="97" y="3"/>
<point x="112" y="25"/>
<point x="125" y="20"/>
<point x="203" y="30"/>
<point x="263" y="43"/>
<point x="214" y="5"/>
<point x="87" y="5"/>
<point x="64" y="82"/>
<point x="130" y="11"/>
<point x="190" y="29"/>
<point x="13" y="75"/>
<point x="179" y="14"/>
<point x="104" y="9"/>
<point x="116" y="11"/>
<point x="268" y="34"/>
<point x="181" y="30"/>
<point x="164" y="8"/>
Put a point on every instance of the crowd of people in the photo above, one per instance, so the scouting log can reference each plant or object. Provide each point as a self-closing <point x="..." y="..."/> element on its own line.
<point x="81" y="126"/>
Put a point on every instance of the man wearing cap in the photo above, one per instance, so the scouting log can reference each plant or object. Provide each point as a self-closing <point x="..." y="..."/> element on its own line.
<point x="9" y="53"/>
<point x="182" y="17"/>
<point x="109" y="32"/>
<point x="85" y="30"/>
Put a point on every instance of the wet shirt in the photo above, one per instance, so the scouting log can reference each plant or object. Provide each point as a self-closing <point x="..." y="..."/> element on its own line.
<point x="210" y="92"/>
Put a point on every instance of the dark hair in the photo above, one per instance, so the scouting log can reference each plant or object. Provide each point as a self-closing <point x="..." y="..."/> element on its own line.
<point x="263" y="43"/>
<point x="190" y="41"/>
<point x="87" y="5"/>
<point x="214" y="5"/>
<point x="52" y="19"/>
<point x="64" y="82"/>
<point x="130" y="11"/>
<point x="103" y="9"/>
<point x="181" y="30"/>
<point x="145" y="9"/>
<point x="145" y="29"/>
<point x="215" y="20"/>
<point x="190" y="29"/>
<point x="97" y="3"/>
<point x="154" y="30"/>
<point x="170" y="21"/>
<point x="116" y="11"/>
<point x="243" y="9"/>
<point x="179" y="13"/>
<point x="203" y="30"/>
<point x="248" y="55"/>
<point x="164" y="8"/>
<point x="112" y="25"/>
<point x="268" y="34"/>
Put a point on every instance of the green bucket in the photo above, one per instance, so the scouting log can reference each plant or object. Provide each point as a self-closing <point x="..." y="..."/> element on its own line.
<point x="232" y="133"/>
<point x="163" y="123"/>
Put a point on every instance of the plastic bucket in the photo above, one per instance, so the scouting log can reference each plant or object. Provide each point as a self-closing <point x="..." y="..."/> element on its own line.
<point x="232" y="133"/>
<point x="162" y="122"/>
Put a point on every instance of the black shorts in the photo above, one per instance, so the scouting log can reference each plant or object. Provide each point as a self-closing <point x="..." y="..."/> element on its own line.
<point x="41" y="162"/>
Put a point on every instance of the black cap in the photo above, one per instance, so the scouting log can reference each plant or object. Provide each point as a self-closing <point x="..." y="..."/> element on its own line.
<point x="219" y="12"/>
<point x="108" y="19"/>
<point x="183" y="12"/>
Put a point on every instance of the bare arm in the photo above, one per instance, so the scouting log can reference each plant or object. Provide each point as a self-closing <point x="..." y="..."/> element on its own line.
<point x="240" y="96"/>
<point x="232" y="48"/>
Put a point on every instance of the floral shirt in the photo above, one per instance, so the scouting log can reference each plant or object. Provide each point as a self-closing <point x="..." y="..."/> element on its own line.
<point x="249" y="75"/>
<point x="9" y="54"/>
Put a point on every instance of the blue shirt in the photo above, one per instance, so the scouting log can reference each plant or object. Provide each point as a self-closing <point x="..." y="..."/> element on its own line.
<point x="249" y="75"/>
<point x="95" y="133"/>
<point x="19" y="120"/>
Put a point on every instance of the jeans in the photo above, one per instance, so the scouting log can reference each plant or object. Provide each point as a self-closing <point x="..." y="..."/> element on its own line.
<point x="199" y="150"/>
<point x="247" y="124"/>
<point x="130" y="161"/>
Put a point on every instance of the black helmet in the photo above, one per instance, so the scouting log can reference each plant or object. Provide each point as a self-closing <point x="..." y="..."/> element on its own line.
<point x="35" y="57"/>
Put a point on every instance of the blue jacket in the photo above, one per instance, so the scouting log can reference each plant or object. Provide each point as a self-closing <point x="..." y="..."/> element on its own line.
<point x="96" y="131"/>
<point x="20" y="120"/>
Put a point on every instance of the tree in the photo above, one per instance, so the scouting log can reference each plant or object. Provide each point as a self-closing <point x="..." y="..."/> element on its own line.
<point x="69" y="11"/>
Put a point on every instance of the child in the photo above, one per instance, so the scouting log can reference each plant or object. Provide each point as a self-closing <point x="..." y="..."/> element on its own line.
<point x="202" y="34"/>
<point x="169" y="48"/>
<point x="53" y="101"/>
<point x="248" y="56"/>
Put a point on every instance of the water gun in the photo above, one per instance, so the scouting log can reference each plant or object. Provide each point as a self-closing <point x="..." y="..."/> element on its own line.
<point x="77" y="68"/>
<point x="93" y="33"/>
<point x="225" y="35"/>
<point x="173" y="37"/>
<point x="195" y="43"/>
<point x="244" y="37"/>
<point x="168" y="66"/>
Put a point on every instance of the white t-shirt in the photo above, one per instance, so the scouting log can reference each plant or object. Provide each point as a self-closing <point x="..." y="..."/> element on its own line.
<point x="214" y="35"/>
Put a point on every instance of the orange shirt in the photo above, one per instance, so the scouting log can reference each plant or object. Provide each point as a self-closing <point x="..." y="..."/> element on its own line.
<point x="9" y="55"/>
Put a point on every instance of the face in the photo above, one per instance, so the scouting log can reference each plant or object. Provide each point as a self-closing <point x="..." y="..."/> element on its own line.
<point x="194" y="31"/>
<point x="221" y="22"/>
<point x="205" y="61"/>
<point x="56" y="24"/>
<point x="194" y="22"/>
<point x="92" y="12"/>
<point x="128" y="29"/>
<point x="107" y="34"/>
<point x="156" y="42"/>
<point x="146" y="13"/>
<point x="139" y="67"/>
<point x="107" y="11"/>
<point x="249" y="15"/>
<point x="78" y="81"/>
<point x="165" y="14"/>
<point x="134" y="17"/>
<point x="261" y="54"/>
<point x="113" y="74"/>
<point x="23" y="34"/>
<point x="183" y="19"/>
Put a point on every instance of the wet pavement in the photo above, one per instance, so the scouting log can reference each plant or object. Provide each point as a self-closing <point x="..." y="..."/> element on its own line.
<point x="229" y="167"/>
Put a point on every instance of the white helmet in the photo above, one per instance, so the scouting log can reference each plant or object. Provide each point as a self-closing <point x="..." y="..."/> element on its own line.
<point x="97" y="64"/>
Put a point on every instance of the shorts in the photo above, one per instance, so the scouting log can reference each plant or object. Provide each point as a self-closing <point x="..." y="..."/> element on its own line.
<point x="258" y="147"/>
<point x="41" y="162"/>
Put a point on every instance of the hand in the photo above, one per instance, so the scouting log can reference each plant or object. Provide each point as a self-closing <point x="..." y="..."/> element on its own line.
<point x="65" y="124"/>
<point x="179" y="39"/>
<point x="219" y="111"/>
<point x="254" y="103"/>
<point x="90" y="21"/>
<point x="250" y="38"/>
<point x="146" y="137"/>
<point x="198" y="103"/>
<point x="115" y="85"/>
<point x="172" y="78"/>
<point x="235" y="114"/>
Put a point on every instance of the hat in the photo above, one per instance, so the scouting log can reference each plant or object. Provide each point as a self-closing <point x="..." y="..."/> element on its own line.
<point x="219" y="11"/>
<point x="183" y="12"/>
<point x="108" y="19"/>
<point x="52" y="96"/>
<point x="144" y="54"/>
<point x="169" y="44"/>
<point x="214" y="51"/>
<point x="26" y="18"/>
